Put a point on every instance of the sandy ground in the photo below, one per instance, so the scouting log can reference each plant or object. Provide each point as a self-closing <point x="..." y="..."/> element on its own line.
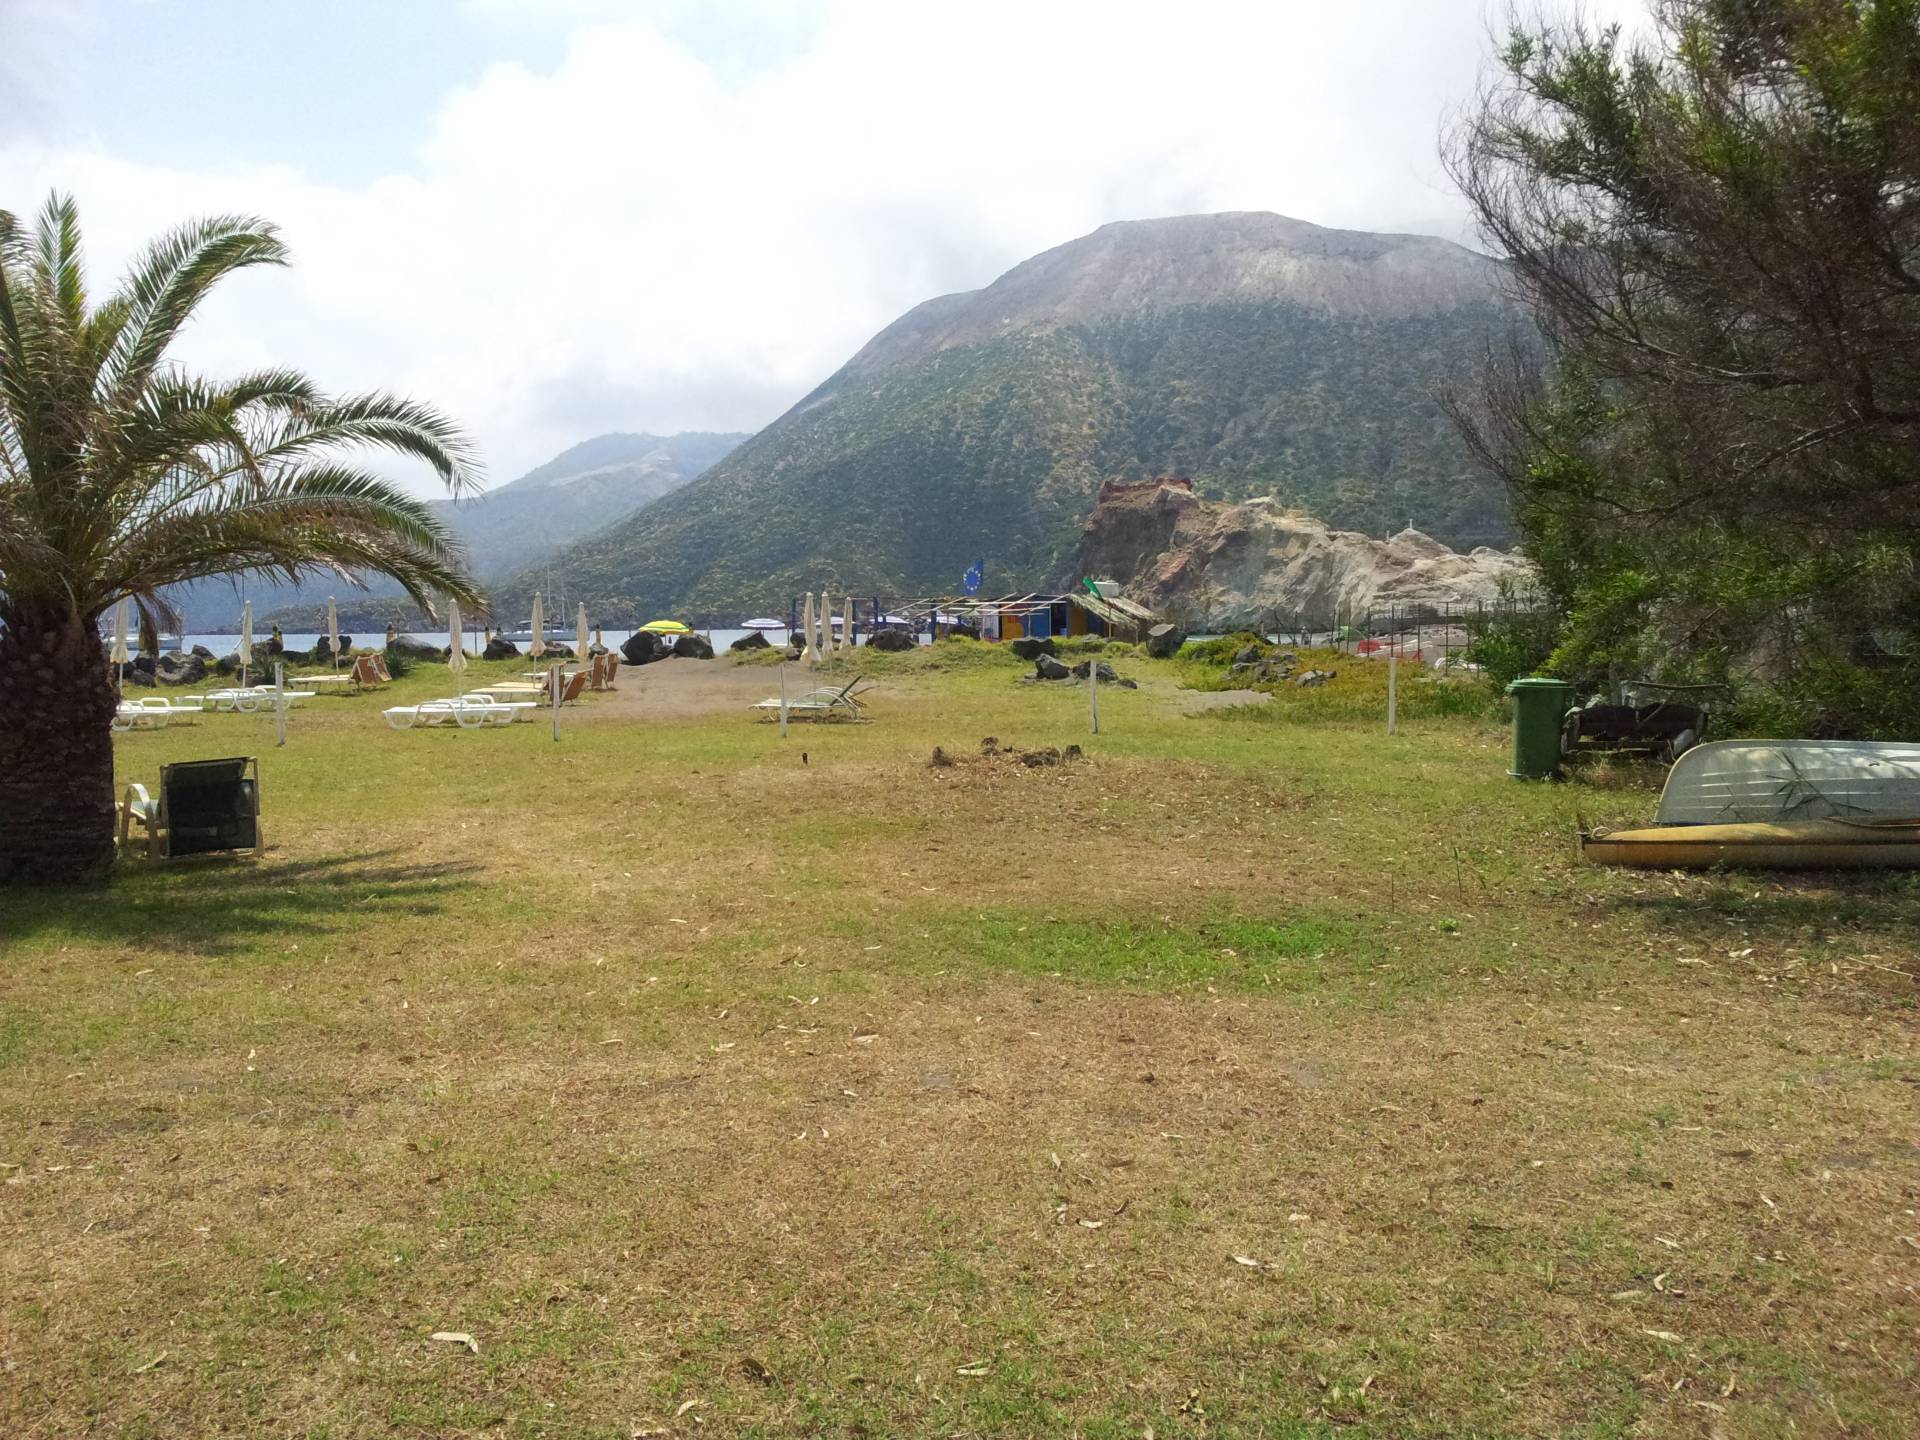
<point x="674" y="688"/>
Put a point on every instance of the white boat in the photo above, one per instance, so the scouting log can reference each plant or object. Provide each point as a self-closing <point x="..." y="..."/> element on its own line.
<point x="1768" y="781"/>
<point x="1779" y="804"/>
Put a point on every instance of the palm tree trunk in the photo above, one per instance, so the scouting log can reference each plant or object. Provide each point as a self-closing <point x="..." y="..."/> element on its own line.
<point x="56" y="750"/>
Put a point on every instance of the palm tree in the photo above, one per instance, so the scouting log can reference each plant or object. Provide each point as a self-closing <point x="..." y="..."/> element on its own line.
<point x="121" y="475"/>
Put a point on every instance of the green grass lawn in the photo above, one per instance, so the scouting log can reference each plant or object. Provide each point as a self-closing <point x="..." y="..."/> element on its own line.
<point x="1254" y="1073"/>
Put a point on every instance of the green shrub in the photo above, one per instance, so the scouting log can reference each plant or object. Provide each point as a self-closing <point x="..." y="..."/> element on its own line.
<point x="1220" y="650"/>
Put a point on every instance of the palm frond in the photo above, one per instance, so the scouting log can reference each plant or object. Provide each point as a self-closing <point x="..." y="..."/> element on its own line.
<point x="325" y="517"/>
<point x="168" y="283"/>
<point x="388" y="422"/>
<point x="62" y="270"/>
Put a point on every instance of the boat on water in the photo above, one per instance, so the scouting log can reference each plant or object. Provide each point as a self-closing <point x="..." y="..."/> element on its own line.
<point x="1779" y="804"/>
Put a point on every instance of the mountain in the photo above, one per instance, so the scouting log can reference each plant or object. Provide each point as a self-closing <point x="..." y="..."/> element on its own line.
<point x="518" y="524"/>
<point x="580" y="490"/>
<point x="1257" y="354"/>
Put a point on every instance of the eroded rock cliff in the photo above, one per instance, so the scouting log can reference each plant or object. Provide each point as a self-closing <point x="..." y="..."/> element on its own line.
<point x="1225" y="564"/>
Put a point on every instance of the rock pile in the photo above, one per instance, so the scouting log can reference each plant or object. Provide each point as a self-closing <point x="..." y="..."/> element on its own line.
<point x="500" y="648"/>
<point x="1257" y="665"/>
<point x="752" y="640"/>
<point x="891" y="639"/>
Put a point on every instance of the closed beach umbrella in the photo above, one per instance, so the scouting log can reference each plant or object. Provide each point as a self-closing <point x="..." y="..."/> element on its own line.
<point x="580" y="629"/>
<point x="823" y="618"/>
<point x="807" y="651"/>
<point x="846" y="635"/>
<point x="456" y="653"/>
<point x="333" y="631"/>
<point x="246" y="639"/>
<point x="539" y="646"/>
<point x="119" y="656"/>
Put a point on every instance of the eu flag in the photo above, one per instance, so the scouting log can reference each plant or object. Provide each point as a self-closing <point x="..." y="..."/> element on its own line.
<point x="970" y="582"/>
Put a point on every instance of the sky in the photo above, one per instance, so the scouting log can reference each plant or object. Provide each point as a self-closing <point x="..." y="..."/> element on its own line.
<point x="556" y="218"/>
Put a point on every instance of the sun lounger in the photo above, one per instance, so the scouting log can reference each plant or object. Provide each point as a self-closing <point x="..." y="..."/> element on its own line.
<point x="250" y="699"/>
<point x="137" y="715"/>
<point x="825" y="704"/>
<point x="467" y="712"/>
<point x="205" y="807"/>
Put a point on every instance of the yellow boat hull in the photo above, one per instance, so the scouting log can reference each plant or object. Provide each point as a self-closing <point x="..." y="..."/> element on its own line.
<point x="1788" y="845"/>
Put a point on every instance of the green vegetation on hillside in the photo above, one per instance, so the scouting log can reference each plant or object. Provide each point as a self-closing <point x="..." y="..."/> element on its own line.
<point x="896" y="480"/>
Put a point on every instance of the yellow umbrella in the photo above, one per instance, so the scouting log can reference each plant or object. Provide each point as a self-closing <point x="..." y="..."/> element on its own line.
<point x="539" y="646"/>
<point x="666" y="627"/>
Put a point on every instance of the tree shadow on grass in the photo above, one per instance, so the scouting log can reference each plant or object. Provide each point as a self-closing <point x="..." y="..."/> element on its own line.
<point x="1785" y="907"/>
<point x="219" y="906"/>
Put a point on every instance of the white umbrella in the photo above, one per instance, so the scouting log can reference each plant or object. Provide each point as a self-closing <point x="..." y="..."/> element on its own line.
<point x="456" y="654"/>
<point x="846" y="636"/>
<point x="539" y="646"/>
<point x="580" y="624"/>
<point x="120" y="656"/>
<point x="333" y="631"/>
<point x="246" y="639"/>
<point x="763" y="624"/>
<point x="808" y="653"/>
<point x="822" y="631"/>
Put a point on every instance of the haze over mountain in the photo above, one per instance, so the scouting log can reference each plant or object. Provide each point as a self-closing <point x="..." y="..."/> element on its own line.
<point x="521" y="523"/>
<point x="1255" y="353"/>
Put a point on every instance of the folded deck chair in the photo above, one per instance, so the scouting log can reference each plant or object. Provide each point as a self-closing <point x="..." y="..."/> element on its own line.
<point x="824" y="704"/>
<point x="613" y="669"/>
<point x="597" y="673"/>
<point x="206" y="807"/>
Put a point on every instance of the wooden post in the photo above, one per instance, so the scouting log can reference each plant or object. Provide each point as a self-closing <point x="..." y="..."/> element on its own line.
<point x="280" y="699"/>
<point x="1093" y="691"/>
<point x="783" y="702"/>
<point x="1393" y="696"/>
<point x="553" y="692"/>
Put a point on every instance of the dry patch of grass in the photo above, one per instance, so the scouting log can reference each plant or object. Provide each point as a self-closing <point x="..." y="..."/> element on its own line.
<point x="1228" y="1079"/>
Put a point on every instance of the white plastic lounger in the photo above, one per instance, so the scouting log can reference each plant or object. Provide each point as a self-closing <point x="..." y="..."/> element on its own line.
<point x="468" y="712"/>
<point x="150" y="712"/>
<point x="250" y="699"/>
<point x="823" y="704"/>
<point x="129" y="716"/>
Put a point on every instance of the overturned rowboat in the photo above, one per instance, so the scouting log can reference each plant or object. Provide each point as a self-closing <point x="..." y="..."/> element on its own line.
<point x="1779" y="804"/>
<point x="1793" y="845"/>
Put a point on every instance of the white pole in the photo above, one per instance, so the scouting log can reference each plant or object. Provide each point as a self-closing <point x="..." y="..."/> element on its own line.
<point x="783" y="702"/>
<point x="553" y="689"/>
<point x="1392" y="689"/>
<point x="1093" y="691"/>
<point x="280" y="699"/>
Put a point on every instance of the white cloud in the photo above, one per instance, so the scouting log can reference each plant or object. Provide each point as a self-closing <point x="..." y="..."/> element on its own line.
<point x="654" y="235"/>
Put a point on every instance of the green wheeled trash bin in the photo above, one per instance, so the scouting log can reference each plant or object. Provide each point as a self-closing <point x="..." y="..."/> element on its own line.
<point x="1539" y="710"/>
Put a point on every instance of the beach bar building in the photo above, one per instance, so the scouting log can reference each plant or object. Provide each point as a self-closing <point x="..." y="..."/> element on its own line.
<point x="1097" y="608"/>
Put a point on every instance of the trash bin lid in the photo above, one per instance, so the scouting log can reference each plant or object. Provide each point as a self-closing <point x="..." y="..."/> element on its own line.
<point x="1538" y="682"/>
